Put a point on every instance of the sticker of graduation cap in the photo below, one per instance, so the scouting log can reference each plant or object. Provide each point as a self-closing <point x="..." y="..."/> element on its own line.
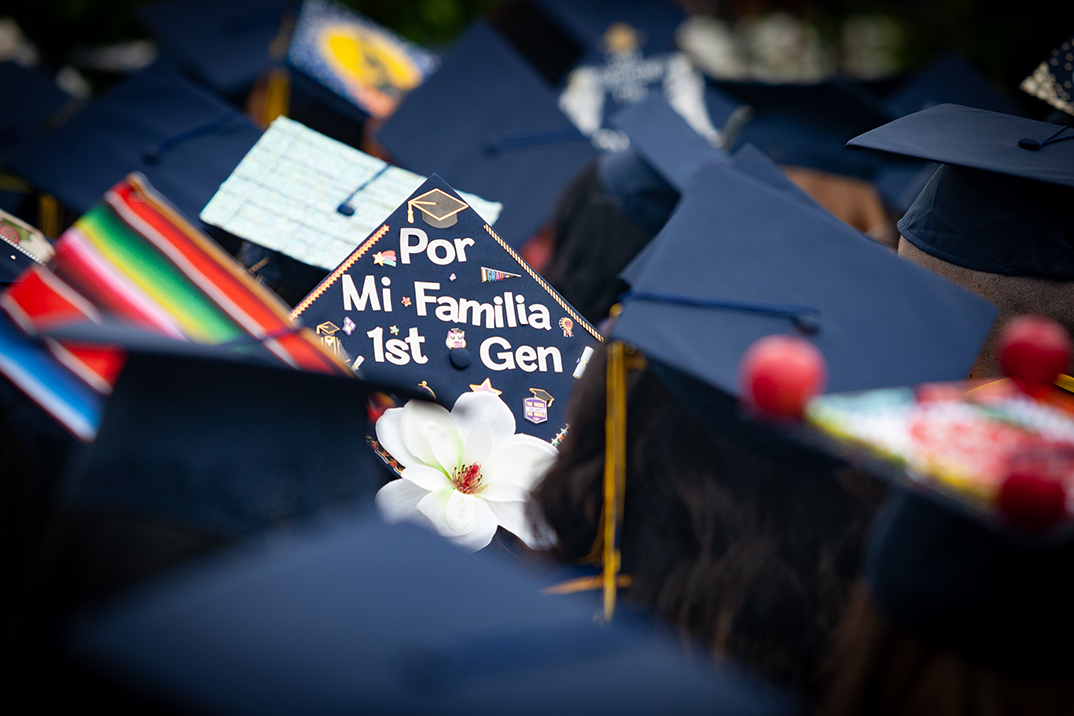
<point x="503" y="334"/>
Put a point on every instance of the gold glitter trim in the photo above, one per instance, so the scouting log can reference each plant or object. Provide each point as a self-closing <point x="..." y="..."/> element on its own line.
<point x="544" y="284"/>
<point x="340" y="270"/>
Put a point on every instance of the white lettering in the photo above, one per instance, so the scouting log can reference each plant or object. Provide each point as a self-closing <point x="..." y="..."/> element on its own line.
<point x="507" y="361"/>
<point x="460" y="247"/>
<point x="449" y="252"/>
<point x="406" y="248"/>
<point x="420" y="287"/>
<point x="351" y="297"/>
<point x="539" y="317"/>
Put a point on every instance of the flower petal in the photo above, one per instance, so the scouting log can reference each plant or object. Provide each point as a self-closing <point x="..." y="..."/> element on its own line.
<point x="483" y="531"/>
<point x="504" y="491"/>
<point x="473" y="408"/>
<point x="434" y="505"/>
<point x="398" y="501"/>
<point x="416" y="414"/>
<point x="443" y="447"/>
<point x="513" y="518"/>
<point x="478" y="445"/>
<point x="521" y="459"/>
<point x="427" y="478"/>
<point x="459" y="512"/>
<point x="390" y="436"/>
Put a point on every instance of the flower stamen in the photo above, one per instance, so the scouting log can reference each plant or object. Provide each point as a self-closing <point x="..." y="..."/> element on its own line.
<point x="467" y="479"/>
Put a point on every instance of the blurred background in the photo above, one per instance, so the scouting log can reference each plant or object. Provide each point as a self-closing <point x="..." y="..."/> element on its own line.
<point x="862" y="39"/>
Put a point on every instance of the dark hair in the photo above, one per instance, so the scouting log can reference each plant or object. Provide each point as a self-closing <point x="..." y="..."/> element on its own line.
<point x="877" y="667"/>
<point x="744" y="549"/>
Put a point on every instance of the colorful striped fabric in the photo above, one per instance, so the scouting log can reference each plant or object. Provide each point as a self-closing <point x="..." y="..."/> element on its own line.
<point x="135" y="259"/>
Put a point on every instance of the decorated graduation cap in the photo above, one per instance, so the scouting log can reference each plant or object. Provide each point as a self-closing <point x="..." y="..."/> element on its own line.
<point x="1053" y="80"/>
<point x="1001" y="201"/>
<point x="296" y="624"/>
<point x="487" y="122"/>
<point x="741" y="259"/>
<point x="224" y="44"/>
<point x="362" y="62"/>
<point x="22" y="246"/>
<point x="434" y="298"/>
<point x="184" y="139"/>
<point x="950" y="79"/>
<point x="979" y="531"/>
<point x="807" y="125"/>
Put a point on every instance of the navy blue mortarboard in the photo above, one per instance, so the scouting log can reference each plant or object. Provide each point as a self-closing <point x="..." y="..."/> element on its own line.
<point x="1002" y="201"/>
<point x="588" y="21"/>
<point x="362" y="62"/>
<point x="751" y="161"/>
<point x="808" y="125"/>
<point x="39" y="101"/>
<point x="1053" y="80"/>
<point x="739" y="260"/>
<point x="665" y="139"/>
<point x="224" y="44"/>
<point x="434" y="298"/>
<point x="948" y="80"/>
<point x="488" y="123"/>
<point x="361" y="617"/>
<point x="184" y="139"/>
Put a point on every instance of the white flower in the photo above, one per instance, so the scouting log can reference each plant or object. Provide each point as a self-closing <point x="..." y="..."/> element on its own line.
<point x="465" y="471"/>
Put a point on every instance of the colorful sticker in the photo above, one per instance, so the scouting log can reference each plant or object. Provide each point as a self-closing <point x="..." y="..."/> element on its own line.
<point x="456" y="338"/>
<point x="485" y="387"/>
<point x="493" y="275"/>
<point x="424" y="385"/>
<point x="348" y="325"/>
<point x="567" y="325"/>
<point x="384" y="258"/>
<point x="394" y="330"/>
<point x="535" y="410"/>
<point x="406" y="301"/>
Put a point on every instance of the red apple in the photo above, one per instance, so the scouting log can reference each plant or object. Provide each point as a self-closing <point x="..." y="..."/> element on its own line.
<point x="1034" y="350"/>
<point x="779" y="374"/>
<point x="1032" y="502"/>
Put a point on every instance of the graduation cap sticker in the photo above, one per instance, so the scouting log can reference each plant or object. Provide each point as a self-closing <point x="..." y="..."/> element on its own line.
<point x="439" y="209"/>
<point x="443" y="315"/>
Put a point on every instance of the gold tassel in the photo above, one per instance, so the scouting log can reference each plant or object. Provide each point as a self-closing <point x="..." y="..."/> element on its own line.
<point x="48" y="215"/>
<point x="277" y="101"/>
<point x="614" y="472"/>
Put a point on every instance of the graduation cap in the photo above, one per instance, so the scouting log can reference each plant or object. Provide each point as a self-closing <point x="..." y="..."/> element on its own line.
<point x="740" y="259"/>
<point x="807" y="125"/>
<point x="498" y="132"/>
<point x="185" y="140"/>
<point x="299" y="626"/>
<point x="366" y="64"/>
<point x="957" y="547"/>
<point x="435" y="298"/>
<point x="22" y="246"/>
<point x="948" y="80"/>
<point x="1001" y="202"/>
<point x="224" y="44"/>
<point x="1053" y="80"/>
<point x="607" y="26"/>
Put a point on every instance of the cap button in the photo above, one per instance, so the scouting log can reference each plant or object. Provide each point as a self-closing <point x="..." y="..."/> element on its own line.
<point x="1029" y="143"/>
<point x="345" y="209"/>
<point x="460" y="358"/>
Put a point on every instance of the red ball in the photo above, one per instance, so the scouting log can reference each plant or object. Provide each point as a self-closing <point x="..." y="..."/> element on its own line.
<point x="779" y="374"/>
<point x="1034" y="350"/>
<point x="1032" y="502"/>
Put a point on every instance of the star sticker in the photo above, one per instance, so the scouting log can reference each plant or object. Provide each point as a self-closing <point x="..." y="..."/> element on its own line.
<point x="485" y="387"/>
<point x="452" y="277"/>
<point x="378" y="259"/>
<point x="406" y="301"/>
<point x="394" y="330"/>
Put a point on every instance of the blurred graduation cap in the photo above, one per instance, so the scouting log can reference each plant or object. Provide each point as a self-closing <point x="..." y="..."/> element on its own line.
<point x="1053" y="79"/>
<point x="184" y="139"/>
<point x="1001" y="201"/>
<point x="224" y="44"/>
<point x="497" y="132"/>
<point x="948" y="80"/>
<point x="958" y="546"/>
<point x="740" y="259"/>
<point x="649" y="25"/>
<point x="435" y="298"/>
<point x="362" y="62"/>
<point x="39" y="101"/>
<point x="298" y="626"/>
<point x="748" y="160"/>
<point x="808" y="125"/>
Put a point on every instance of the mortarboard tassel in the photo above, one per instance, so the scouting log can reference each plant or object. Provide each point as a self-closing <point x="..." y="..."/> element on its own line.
<point x="277" y="96"/>
<point x="614" y="472"/>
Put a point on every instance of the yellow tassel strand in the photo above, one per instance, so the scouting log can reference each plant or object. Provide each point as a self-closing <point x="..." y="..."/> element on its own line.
<point x="48" y="215"/>
<point x="614" y="471"/>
